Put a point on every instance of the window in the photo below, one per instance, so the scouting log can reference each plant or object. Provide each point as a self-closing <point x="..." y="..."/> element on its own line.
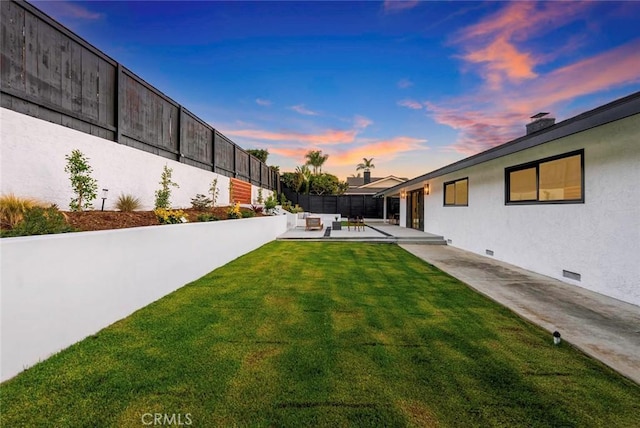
<point x="559" y="179"/>
<point x="456" y="193"/>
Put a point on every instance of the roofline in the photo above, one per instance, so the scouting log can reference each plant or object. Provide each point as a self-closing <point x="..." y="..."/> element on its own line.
<point x="381" y="179"/>
<point x="615" y="110"/>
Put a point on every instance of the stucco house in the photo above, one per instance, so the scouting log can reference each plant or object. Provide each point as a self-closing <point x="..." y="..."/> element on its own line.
<point x="368" y="185"/>
<point x="562" y="201"/>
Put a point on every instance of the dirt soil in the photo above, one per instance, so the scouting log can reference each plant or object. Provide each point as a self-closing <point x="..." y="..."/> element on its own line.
<point x="103" y="220"/>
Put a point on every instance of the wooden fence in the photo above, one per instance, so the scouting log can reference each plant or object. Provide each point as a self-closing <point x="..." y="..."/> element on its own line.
<point x="346" y="205"/>
<point x="50" y="73"/>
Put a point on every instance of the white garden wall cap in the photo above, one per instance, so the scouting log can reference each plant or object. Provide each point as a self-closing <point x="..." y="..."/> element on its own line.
<point x="615" y="110"/>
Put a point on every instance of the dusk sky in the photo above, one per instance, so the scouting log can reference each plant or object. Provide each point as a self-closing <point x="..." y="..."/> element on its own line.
<point x="415" y="85"/>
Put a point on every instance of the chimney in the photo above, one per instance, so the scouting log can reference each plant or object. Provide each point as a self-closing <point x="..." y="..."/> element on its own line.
<point x="539" y="121"/>
<point x="367" y="177"/>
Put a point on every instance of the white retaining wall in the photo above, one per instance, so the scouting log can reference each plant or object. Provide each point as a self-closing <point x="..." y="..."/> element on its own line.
<point x="58" y="289"/>
<point x="32" y="161"/>
<point x="598" y="239"/>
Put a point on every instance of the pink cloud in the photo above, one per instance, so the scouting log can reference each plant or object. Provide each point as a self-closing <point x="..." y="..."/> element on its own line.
<point x="300" y="108"/>
<point x="484" y="123"/>
<point x="404" y="83"/>
<point x="495" y="43"/>
<point x="385" y="149"/>
<point x="329" y="137"/>
<point x="361" y="122"/>
<point x="415" y="105"/>
<point x="263" y="102"/>
<point x="66" y="8"/>
<point x="514" y="89"/>
<point x="399" y="5"/>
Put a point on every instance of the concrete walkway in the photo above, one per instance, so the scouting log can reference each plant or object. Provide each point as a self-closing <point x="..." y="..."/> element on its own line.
<point x="604" y="328"/>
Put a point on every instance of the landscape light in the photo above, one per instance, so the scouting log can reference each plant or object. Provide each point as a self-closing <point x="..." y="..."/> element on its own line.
<point x="556" y="337"/>
<point x="104" y="197"/>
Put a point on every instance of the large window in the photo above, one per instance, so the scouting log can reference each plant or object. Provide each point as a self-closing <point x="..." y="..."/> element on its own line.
<point x="456" y="193"/>
<point x="559" y="179"/>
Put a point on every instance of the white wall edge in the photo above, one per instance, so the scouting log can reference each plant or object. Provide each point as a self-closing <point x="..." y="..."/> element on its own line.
<point x="58" y="289"/>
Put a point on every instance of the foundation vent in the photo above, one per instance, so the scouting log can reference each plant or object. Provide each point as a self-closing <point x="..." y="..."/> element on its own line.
<point x="489" y="252"/>
<point x="571" y="275"/>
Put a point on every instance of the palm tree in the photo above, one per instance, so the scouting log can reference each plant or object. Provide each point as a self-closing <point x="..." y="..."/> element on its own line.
<point x="315" y="158"/>
<point x="366" y="165"/>
<point x="303" y="179"/>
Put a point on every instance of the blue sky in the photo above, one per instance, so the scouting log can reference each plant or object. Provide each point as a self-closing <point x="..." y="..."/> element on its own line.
<point x="415" y="85"/>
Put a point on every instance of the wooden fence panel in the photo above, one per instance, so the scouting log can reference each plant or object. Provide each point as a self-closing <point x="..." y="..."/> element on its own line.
<point x="265" y="176"/>
<point x="144" y="113"/>
<point x="12" y="45"/>
<point x="224" y="155"/>
<point x="254" y="164"/>
<point x="242" y="164"/>
<point x="197" y="140"/>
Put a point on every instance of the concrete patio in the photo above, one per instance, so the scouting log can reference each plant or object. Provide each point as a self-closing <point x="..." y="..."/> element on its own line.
<point x="375" y="231"/>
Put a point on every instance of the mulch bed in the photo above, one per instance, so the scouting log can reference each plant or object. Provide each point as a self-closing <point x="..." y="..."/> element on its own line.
<point x="104" y="220"/>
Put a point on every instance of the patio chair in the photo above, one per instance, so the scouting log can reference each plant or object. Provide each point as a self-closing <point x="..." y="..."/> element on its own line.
<point x="359" y="222"/>
<point x="352" y="221"/>
<point x="313" y="223"/>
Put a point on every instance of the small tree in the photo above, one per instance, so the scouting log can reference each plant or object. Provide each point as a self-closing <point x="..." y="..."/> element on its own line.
<point x="163" y="195"/>
<point x="231" y="192"/>
<point x="214" y="191"/>
<point x="84" y="186"/>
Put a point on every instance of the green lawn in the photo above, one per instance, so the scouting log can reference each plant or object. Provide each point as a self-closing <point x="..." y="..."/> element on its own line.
<point x="322" y="334"/>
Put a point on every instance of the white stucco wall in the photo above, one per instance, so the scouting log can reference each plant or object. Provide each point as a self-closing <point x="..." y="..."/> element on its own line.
<point x="58" y="289"/>
<point x="598" y="239"/>
<point x="32" y="161"/>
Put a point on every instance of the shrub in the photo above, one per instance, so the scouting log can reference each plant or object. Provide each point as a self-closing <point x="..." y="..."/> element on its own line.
<point x="258" y="209"/>
<point x="163" y="195"/>
<point x="12" y="209"/>
<point x="270" y="203"/>
<point x="214" y="191"/>
<point x="201" y="202"/>
<point x="234" y="211"/>
<point x="40" y="221"/>
<point x="170" y="216"/>
<point x="207" y="217"/>
<point x="128" y="203"/>
<point x="248" y="214"/>
<point x="83" y="185"/>
<point x="293" y="210"/>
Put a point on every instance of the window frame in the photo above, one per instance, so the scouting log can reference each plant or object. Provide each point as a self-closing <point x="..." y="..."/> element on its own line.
<point x="444" y="193"/>
<point x="536" y="164"/>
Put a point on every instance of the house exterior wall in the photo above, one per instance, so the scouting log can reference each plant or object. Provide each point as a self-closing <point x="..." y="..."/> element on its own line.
<point x="598" y="238"/>
<point x="32" y="161"/>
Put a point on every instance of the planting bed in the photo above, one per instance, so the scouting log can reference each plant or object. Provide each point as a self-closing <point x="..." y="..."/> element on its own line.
<point x="103" y="220"/>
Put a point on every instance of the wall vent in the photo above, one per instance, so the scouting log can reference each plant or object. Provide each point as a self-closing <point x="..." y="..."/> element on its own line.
<point x="571" y="275"/>
<point x="489" y="252"/>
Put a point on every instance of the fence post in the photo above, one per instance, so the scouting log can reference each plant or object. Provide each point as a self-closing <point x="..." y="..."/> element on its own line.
<point x="119" y="102"/>
<point x="235" y="161"/>
<point x="180" y="132"/>
<point x="213" y="150"/>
